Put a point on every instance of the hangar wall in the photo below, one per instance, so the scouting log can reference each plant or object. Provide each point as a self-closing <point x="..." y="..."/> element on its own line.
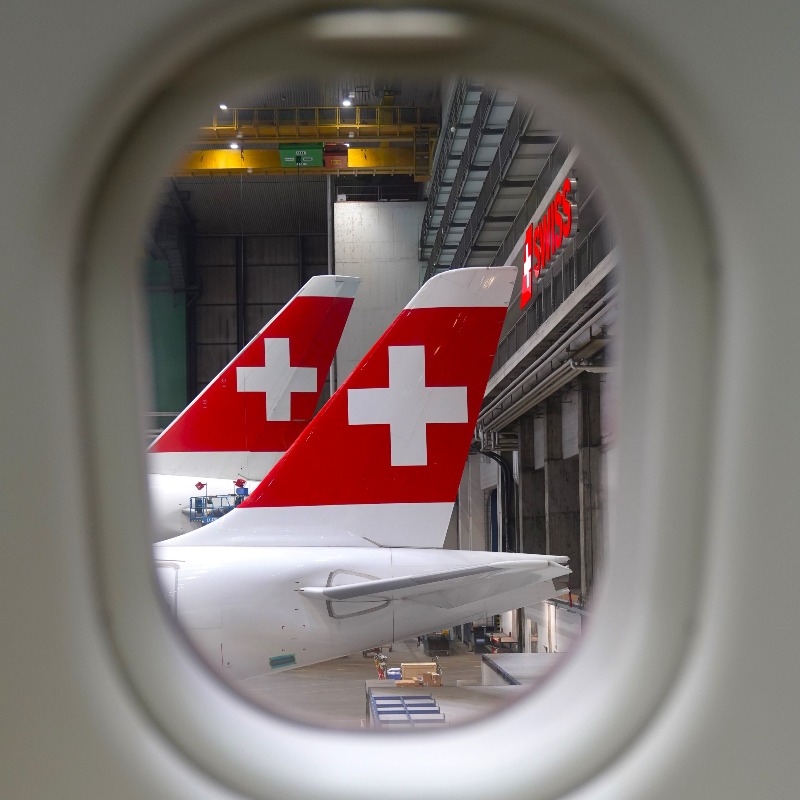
<point x="243" y="281"/>
<point x="377" y="242"/>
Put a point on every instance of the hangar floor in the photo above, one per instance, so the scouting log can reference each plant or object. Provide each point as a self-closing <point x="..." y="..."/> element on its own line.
<point x="333" y="693"/>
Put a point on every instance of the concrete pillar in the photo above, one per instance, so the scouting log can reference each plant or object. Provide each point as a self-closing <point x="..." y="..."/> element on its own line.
<point x="563" y="513"/>
<point x="553" y="441"/>
<point x="508" y="491"/>
<point x="521" y="631"/>
<point x="562" y="506"/>
<point x="471" y="529"/>
<point x="591" y="492"/>
<point x="530" y="516"/>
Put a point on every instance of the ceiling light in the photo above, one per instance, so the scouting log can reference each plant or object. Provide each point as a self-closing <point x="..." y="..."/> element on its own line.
<point x="223" y="107"/>
<point x="234" y="145"/>
<point x="347" y="102"/>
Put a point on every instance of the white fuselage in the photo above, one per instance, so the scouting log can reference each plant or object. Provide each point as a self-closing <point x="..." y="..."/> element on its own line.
<point x="243" y="607"/>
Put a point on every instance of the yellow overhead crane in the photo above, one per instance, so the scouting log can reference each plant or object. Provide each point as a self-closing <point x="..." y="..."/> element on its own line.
<point x="375" y="140"/>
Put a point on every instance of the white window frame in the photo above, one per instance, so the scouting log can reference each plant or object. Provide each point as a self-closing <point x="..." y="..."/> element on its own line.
<point x="631" y="656"/>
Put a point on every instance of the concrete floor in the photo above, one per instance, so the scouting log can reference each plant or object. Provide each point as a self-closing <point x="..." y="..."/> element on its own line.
<point x="333" y="693"/>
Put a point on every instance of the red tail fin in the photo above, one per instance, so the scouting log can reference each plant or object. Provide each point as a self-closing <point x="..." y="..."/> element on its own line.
<point x="265" y="397"/>
<point x="398" y="430"/>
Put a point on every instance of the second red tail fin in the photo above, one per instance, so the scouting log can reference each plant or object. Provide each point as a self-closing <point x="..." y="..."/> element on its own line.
<point x="247" y="417"/>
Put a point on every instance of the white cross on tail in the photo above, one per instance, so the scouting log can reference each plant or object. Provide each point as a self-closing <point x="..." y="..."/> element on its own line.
<point x="407" y="406"/>
<point x="278" y="379"/>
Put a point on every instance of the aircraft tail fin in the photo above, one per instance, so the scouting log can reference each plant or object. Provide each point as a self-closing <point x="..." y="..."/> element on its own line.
<point x="382" y="461"/>
<point x="250" y="413"/>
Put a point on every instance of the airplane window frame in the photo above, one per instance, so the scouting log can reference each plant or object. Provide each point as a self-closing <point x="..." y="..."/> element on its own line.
<point x="633" y="652"/>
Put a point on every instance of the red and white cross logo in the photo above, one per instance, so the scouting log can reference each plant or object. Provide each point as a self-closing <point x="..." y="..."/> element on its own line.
<point x="407" y="406"/>
<point x="278" y="379"/>
<point x="527" y="269"/>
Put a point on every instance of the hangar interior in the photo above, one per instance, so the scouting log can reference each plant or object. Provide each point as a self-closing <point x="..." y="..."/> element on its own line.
<point x="395" y="181"/>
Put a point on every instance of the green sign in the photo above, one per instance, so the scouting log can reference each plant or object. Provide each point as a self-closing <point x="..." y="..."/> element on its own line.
<point x="301" y="155"/>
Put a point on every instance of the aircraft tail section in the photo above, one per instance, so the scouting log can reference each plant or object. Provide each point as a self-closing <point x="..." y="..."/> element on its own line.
<point x="249" y="415"/>
<point x="381" y="462"/>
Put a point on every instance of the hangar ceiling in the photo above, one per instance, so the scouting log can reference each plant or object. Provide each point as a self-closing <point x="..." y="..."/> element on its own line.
<point x="486" y="152"/>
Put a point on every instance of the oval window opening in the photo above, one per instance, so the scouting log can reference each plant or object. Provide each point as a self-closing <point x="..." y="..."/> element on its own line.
<point x="401" y="535"/>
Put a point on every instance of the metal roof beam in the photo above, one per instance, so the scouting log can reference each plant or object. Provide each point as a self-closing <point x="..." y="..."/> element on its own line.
<point x="465" y="167"/>
<point x="445" y="146"/>
<point x="518" y="124"/>
<point x="326" y="124"/>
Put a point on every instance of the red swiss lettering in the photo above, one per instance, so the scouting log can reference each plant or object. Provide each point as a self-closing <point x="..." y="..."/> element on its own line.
<point x="547" y="235"/>
<point x="544" y="240"/>
<point x="537" y="250"/>
<point x="559" y="222"/>
<point x="566" y="207"/>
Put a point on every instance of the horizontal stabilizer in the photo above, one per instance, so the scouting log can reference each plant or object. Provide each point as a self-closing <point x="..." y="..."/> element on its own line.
<point x="446" y="588"/>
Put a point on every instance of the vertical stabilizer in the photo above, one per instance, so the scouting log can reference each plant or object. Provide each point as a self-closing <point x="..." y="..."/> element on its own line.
<point x="382" y="461"/>
<point x="249" y="415"/>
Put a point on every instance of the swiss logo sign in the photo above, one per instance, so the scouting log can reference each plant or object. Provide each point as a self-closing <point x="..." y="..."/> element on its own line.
<point x="545" y="238"/>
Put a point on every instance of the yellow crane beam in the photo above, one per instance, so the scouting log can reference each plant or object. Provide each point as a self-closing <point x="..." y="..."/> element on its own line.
<point x="367" y="160"/>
